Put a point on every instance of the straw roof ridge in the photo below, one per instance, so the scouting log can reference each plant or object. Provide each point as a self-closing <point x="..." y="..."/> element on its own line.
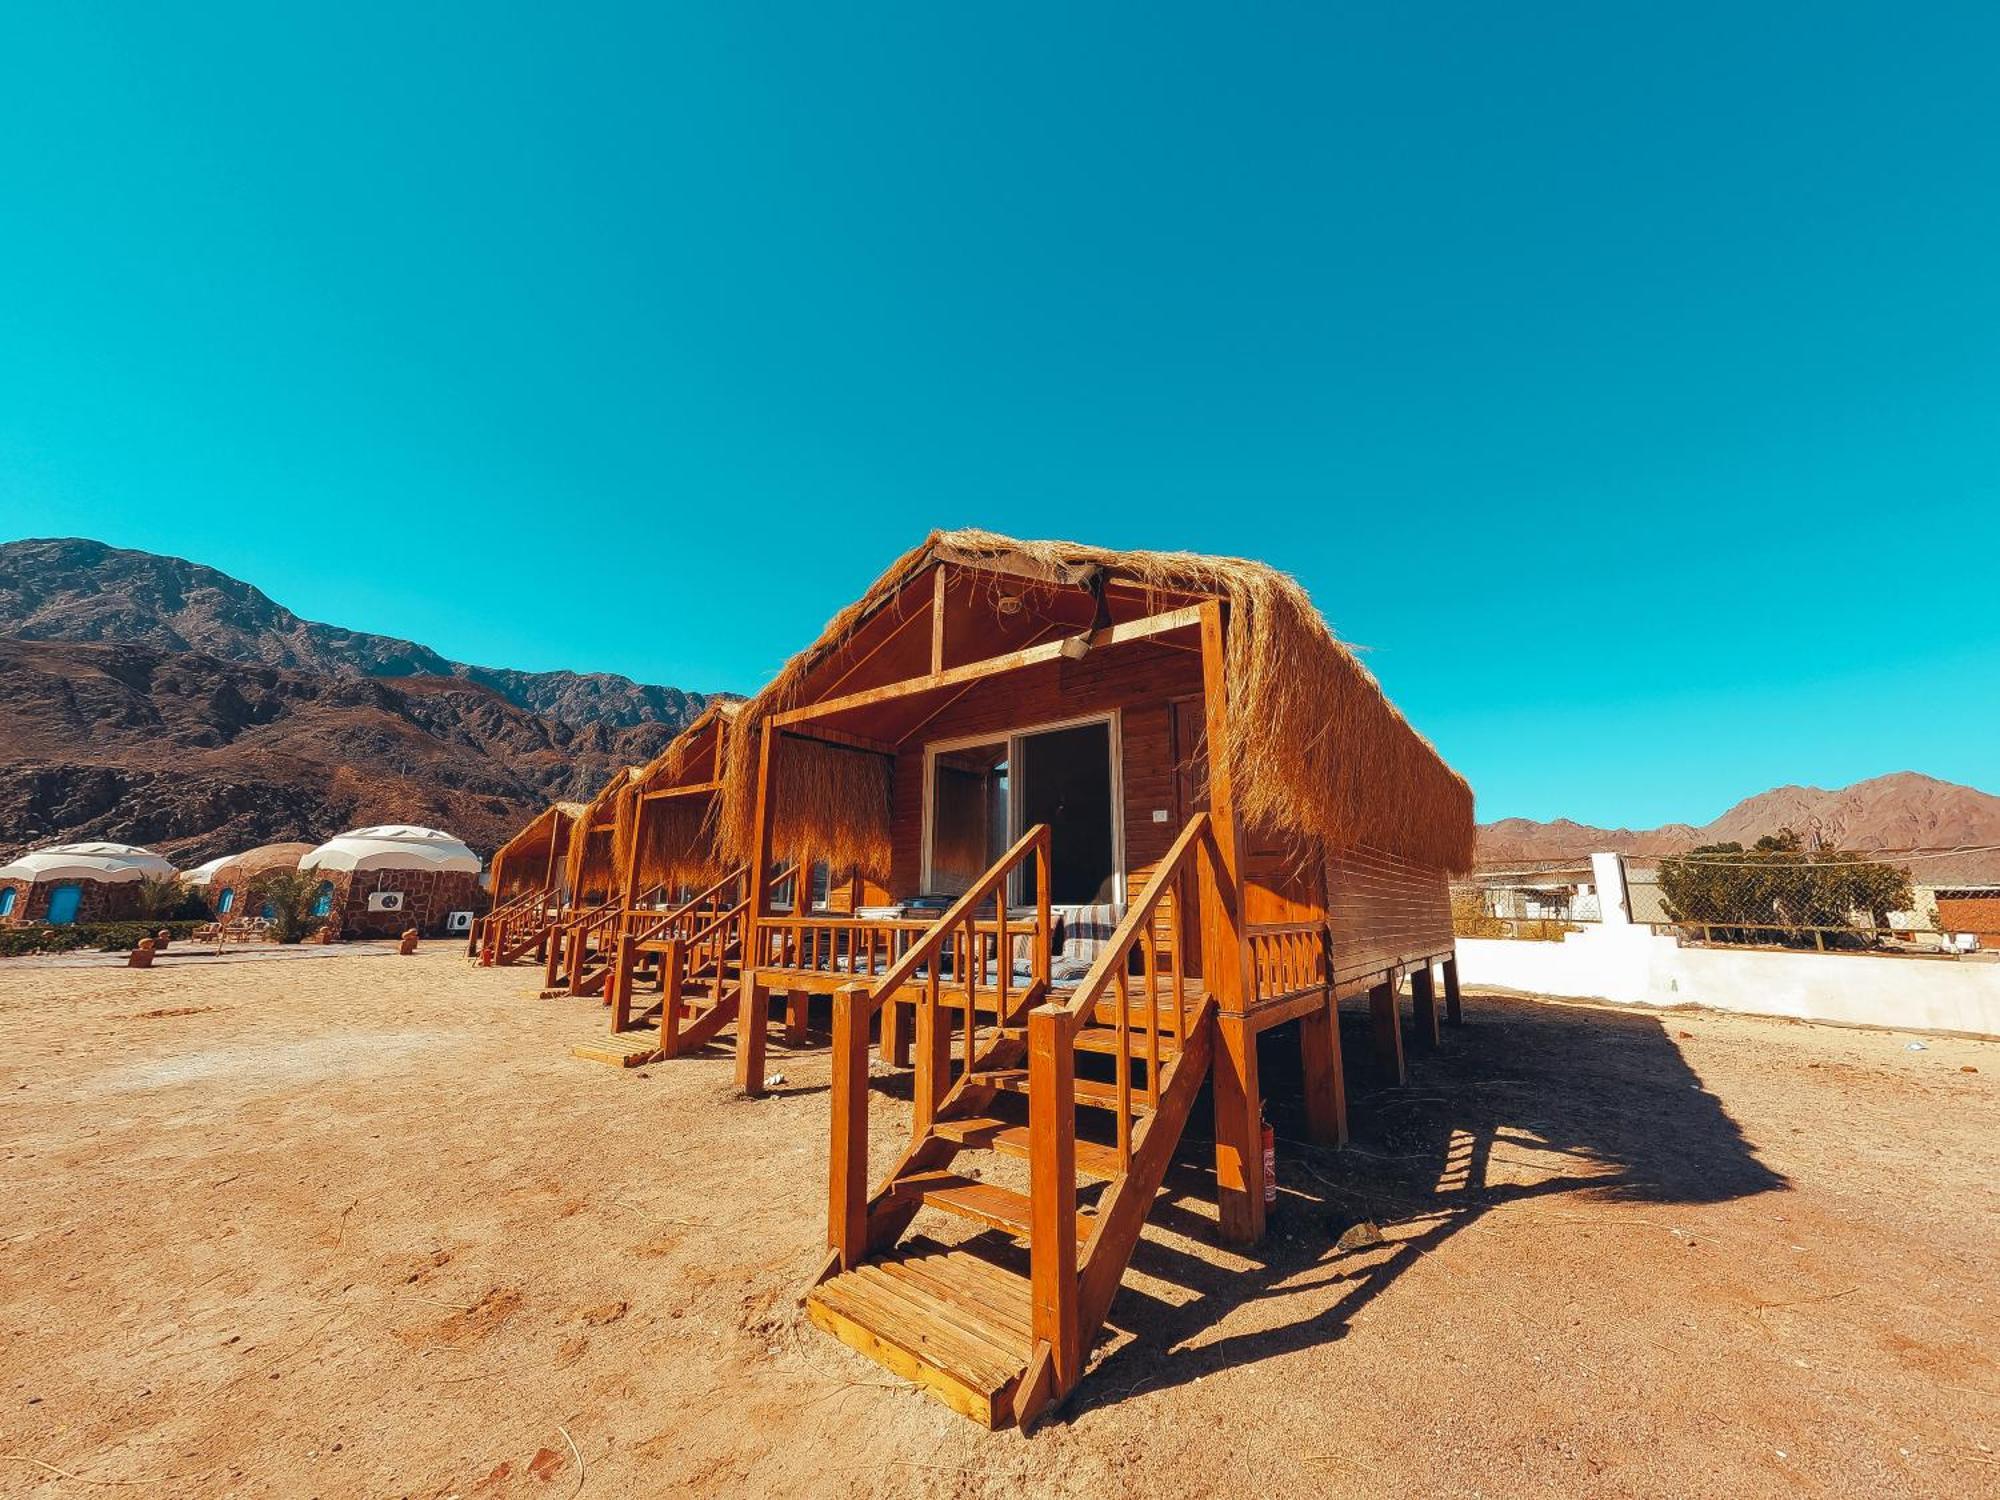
<point x="1316" y="748"/>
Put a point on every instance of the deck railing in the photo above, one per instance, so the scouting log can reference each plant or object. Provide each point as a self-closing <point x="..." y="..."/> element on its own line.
<point x="1287" y="958"/>
<point x="529" y="913"/>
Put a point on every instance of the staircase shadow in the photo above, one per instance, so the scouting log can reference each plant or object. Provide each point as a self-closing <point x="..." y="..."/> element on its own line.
<point x="1599" y="1102"/>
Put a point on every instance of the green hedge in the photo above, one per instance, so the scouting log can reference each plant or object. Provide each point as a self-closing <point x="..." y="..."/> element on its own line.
<point x="108" y="937"/>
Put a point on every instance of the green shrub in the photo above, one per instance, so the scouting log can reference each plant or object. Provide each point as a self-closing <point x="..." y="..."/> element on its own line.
<point x="107" y="937"/>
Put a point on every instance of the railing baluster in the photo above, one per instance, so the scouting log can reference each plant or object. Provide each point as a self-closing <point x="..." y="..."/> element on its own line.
<point x="1151" y="967"/>
<point x="1124" y="1059"/>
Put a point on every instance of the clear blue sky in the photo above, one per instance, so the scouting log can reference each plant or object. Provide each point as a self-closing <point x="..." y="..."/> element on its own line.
<point x="1627" y="381"/>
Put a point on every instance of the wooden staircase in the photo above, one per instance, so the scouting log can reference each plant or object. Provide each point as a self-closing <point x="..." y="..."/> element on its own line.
<point x="697" y="949"/>
<point x="998" y="1336"/>
<point x="510" y="931"/>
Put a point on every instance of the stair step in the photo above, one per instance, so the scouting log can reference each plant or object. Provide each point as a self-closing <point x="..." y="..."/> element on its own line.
<point x="983" y="1202"/>
<point x="1088" y="1090"/>
<point x="948" y="1319"/>
<point x="982" y="1132"/>
<point x="1105" y="1039"/>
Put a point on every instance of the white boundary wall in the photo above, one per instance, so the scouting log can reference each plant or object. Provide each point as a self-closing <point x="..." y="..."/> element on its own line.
<point x="1614" y="960"/>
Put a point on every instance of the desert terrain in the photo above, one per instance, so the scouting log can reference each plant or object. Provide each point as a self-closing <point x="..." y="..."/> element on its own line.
<point x="361" y="1226"/>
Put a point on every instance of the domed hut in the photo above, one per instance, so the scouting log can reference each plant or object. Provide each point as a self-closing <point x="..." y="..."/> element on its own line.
<point x="378" y="881"/>
<point x="232" y="880"/>
<point x="68" y="883"/>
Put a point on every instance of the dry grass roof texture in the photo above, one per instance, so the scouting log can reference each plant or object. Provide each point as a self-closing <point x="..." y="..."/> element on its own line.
<point x="1315" y="748"/>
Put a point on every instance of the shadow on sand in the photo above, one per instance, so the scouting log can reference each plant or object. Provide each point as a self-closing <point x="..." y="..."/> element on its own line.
<point x="1601" y="1102"/>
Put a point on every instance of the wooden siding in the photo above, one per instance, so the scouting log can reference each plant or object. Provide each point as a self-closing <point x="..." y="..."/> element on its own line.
<point x="1385" y="911"/>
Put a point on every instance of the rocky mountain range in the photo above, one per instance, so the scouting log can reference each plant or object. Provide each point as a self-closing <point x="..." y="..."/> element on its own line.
<point x="152" y="700"/>
<point x="1900" y="811"/>
<point x="72" y="589"/>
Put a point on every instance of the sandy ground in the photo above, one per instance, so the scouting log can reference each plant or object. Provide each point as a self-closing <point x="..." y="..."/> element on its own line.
<point x="363" y="1228"/>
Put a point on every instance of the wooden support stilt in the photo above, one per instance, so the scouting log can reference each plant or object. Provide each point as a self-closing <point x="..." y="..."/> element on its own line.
<point x="1326" y="1087"/>
<point x="933" y="1064"/>
<point x="1239" y="1132"/>
<point x="1388" y="1032"/>
<point x="1239" y="1125"/>
<point x="751" y="1018"/>
<point x="795" y="1019"/>
<point x="671" y="968"/>
<point x="1423" y="1000"/>
<point x="895" y="1035"/>
<point x="620" y="982"/>
<point x="847" y="1206"/>
<point x="1452" y="1014"/>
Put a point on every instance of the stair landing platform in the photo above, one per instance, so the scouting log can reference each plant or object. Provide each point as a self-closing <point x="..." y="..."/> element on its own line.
<point x="951" y="1321"/>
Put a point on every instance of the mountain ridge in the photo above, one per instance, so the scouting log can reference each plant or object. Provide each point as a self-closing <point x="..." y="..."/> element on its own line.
<point x="81" y="590"/>
<point x="1900" y="810"/>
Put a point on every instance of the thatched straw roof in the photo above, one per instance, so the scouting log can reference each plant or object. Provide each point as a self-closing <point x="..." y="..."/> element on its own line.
<point x="522" y="863"/>
<point x="671" y="841"/>
<point x="1316" y="750"/>
<point x="592" y="865"/>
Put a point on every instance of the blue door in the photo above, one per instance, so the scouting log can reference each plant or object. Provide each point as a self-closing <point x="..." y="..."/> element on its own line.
<point x="63" y="902"/>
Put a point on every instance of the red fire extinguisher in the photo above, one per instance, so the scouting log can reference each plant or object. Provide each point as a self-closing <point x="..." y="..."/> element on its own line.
<point x="1270" y="1166"/>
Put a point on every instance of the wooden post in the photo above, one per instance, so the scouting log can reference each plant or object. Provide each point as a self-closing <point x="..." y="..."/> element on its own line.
<point x="1423" y="1004"/>
<point x="1054" y="1289"/>
<point x="1239" y="1145"/>
<point x="1326" y="1087"/>
<point x="1388" y="1031"/>
<point x="847" y="1188"/>
<point x="620" y="982"/>
<point x="895" y="1035"/>
<point x="933" y="1063"/>
<point x="1452" y="1015"/>
<point x="552" y="940"/>
<point x="671" y="969"/>
<point x="795" y="1020"/>
<point x="755" y="999"/>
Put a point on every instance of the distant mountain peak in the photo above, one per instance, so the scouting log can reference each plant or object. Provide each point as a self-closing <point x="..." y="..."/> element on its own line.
<point x="82" y="590"/>
<point x="1899" y="810"/>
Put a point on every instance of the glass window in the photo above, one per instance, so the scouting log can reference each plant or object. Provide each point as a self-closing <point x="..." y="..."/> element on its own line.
<point x="7" y="902"/>
<point x="323" y="901"/>
<point x="226" y="902"/>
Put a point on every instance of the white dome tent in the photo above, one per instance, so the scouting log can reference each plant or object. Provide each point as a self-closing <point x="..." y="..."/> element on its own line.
<point x="393" y="846"/>
<point x="67" y="883"/>
<point x="379" y="880"/>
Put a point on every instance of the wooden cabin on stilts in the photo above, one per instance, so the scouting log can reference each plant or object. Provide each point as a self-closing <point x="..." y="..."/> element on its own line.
<point x="528" y="889"/>
<point x="1091" y="822"/>
<point x="683" y="904"/>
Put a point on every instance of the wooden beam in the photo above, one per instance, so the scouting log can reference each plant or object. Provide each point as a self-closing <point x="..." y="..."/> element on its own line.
<point x="1239" y="1104"/>
<point x="1012" y="661"/>
<point x="750" y="1008"/>
<point x="1452" y="1014"/>
<point x="937" y="620"/>
<point x="696" y="789"/>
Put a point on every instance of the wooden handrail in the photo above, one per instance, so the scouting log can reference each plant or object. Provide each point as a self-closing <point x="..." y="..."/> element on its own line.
<point x="1057" y="1307"/>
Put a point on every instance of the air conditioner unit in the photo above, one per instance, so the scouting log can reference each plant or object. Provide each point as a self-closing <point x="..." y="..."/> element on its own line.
<point x="385" y="900"/>
<point x="458" y="921"/>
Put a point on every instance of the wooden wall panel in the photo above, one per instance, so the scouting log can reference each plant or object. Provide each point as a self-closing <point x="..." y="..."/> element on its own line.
<point x="1384" y="911"/>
